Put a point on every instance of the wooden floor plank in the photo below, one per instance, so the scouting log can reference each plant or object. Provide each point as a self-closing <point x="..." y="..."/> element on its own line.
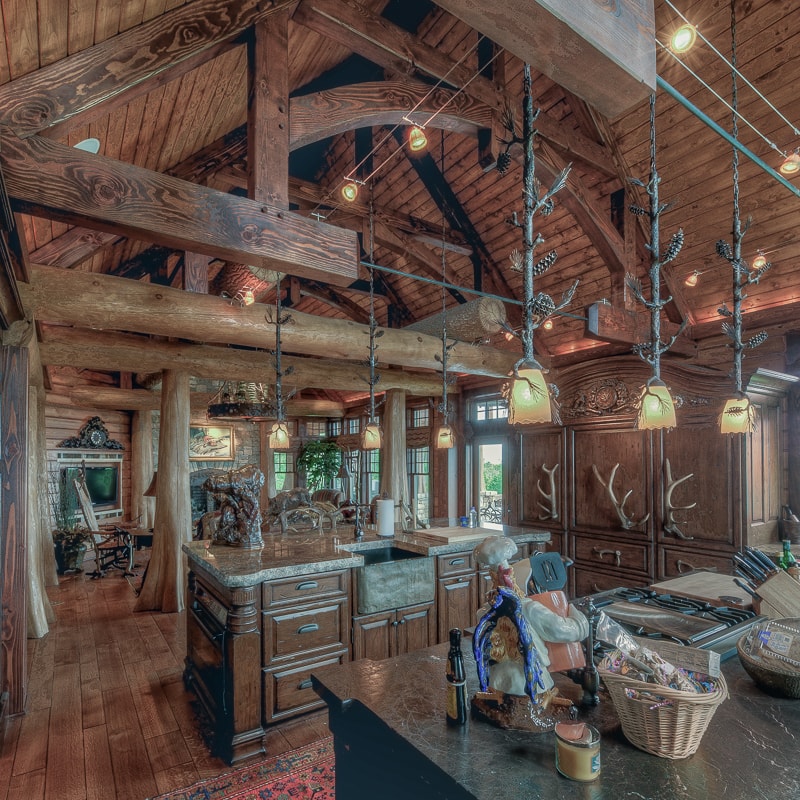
<point x="97" y="763"/>
<point x="8" y="751"/>
<point x="65" y="775"/>
<point x="32" y="756"/>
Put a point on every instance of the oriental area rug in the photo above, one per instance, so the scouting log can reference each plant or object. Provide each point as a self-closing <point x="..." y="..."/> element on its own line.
<point x="303" y="773"/>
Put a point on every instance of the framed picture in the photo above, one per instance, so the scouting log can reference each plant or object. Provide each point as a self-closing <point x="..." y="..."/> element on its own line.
<point x="211" y="443"/>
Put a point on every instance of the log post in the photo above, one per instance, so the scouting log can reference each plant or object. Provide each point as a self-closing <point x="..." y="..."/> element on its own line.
<point x="163" y="586"/>
<point x="142" y="508"/>
<point x="467" y="322"/>
<point x="394" y="480"/>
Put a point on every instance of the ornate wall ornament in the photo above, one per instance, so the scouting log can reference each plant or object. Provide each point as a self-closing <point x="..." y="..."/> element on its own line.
<point x="602" y="398"/>
<point x="92" y="436"/>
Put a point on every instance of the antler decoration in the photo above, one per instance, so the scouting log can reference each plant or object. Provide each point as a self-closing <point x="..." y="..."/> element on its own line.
<point x="550" y="511"/>
<point x="739" y="413"/>
<point x="670" y="524"/>
<point x="619" y="506"/>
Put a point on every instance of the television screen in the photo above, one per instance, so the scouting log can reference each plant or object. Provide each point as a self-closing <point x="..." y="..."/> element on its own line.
<point x="102" y="483"/>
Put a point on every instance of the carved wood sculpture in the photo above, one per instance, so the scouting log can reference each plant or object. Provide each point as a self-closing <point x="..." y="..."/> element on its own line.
<point x="619" y="506"/>
<point x="549" y="510"/>
<point x="670" y="523"/>
<point x="240" y="517"/>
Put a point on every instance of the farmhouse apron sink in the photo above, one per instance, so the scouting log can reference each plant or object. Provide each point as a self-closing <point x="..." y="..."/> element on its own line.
<point x="391" y="578"/>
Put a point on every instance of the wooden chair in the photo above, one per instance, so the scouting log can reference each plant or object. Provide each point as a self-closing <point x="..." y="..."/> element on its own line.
<point x="113" y="549"/>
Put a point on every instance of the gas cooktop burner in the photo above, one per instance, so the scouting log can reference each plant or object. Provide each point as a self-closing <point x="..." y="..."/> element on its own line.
<point x="645" y="612"/>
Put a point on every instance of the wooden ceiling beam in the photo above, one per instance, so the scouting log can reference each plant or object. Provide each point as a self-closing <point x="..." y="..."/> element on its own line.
<point x="109" y="350"/>
<point x="51" y="179"/>
<point x="146" y="400"/>
<point x="126" y="65"/>
<point x="109" y="303"/>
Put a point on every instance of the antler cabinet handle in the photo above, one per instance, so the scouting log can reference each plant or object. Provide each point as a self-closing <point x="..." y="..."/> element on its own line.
<point x="599" y="552"/>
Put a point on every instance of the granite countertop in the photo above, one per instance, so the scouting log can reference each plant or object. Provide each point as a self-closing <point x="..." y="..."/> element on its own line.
<point x="748" y="751"/>
<point x="308" y="551"/>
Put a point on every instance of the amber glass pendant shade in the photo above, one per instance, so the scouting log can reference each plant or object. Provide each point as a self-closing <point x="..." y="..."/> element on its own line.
<point x="279" y="436"/>
<point x="738" y="416"/>
<point x="371" y="438"/>
<point x="656" y="408"/>
<point x="445" y="438"/>
<point x="529" y="399"/>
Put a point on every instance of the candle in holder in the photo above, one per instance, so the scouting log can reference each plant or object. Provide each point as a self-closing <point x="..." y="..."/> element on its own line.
<point x="577" y="751"/>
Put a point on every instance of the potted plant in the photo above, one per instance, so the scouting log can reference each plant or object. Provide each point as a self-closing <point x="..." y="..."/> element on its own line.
<point x="70" y="538"/>
<point x="320" y="461"/>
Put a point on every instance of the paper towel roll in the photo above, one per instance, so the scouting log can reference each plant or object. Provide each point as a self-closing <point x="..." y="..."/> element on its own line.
<point x="385" y="517"/>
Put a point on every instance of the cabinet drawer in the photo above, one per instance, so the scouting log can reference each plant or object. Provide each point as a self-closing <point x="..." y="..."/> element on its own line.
<point x="288" y="690"/>
<point x="455" y="564"/>
<point x="306" y="587"/>
<point x="589" y="581"/>
<point x="612" y="553"/>
<point x="293" y="632"/>
<point x="678" y="562"/>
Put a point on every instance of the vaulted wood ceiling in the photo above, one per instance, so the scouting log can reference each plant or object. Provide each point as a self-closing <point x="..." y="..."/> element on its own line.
<point x="164" y="88"/>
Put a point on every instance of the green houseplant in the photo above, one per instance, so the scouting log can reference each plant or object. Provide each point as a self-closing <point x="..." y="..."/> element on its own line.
<point x="320" y="461"/>
<point x="70" y="538"/>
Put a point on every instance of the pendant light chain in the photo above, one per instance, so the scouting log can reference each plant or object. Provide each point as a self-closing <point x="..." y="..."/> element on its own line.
<point x="445" y="408"/>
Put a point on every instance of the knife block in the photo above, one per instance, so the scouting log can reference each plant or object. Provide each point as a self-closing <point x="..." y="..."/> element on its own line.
<point x="780" y="596"/>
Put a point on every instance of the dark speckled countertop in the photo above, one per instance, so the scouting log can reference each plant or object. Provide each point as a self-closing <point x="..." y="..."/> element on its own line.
<point x="749" y="751"/>
<point x="306" y="552"/>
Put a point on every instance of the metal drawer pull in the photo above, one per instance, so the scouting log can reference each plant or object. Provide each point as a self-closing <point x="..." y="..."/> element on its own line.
<point x="681" y="564"/>
<point x="301" y="587"/>
<point x="306" y="684"/>
<point x="616" y="553"/>
<point x="454" y="562"/>
<point x="310" y="628"/>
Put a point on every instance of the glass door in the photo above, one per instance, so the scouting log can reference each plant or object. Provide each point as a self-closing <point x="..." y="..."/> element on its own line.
<point x="490" y="481"/>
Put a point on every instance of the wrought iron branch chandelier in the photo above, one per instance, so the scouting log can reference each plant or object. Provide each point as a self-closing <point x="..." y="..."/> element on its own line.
<point x="656" y="406"/>
<point x="279" y="435"/>
<point x="738" y="414"/>
<point x="530" y="399"/>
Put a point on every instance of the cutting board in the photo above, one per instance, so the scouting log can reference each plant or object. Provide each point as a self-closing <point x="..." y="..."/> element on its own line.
<point x="707" y="586"/>
<point x="453" y="534"/>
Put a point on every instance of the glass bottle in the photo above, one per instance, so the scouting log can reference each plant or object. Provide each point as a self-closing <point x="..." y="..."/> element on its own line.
<point x="456" y="682"/>
<point x="787" y="560"/>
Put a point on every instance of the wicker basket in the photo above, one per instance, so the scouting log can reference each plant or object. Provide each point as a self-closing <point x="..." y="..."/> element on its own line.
<point x="770" y="674"/>
<point x="669" y="729"/>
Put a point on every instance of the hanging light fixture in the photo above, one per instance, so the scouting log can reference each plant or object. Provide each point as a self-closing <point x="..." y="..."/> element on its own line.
<point x="349" y="191"/>
<point x="738" y="415"/>
<point x="417" y="140"/>
<point x="691" y="278"/>
<point x="656" y="406"/>
<point x="445" y="438"/>
<point x="529" y="397"/>
<point x="371" y="436"/>
<point x="791" y="164"/>
<point x="683" y="39"/>
<point x="240" y="400"/>
<point x="279" y="435"/>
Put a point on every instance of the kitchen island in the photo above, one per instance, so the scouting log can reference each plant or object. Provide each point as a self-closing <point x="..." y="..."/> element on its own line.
<point x="388" y="723"/>
<point x="260" y="620"/>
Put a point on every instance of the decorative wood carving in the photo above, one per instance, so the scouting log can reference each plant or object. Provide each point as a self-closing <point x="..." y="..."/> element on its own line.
<point x="670" y="523"/>
<point x="619" y="505"/>
<point x="549" y="511"/>
<point x="92" y="436"/>
<point x="240" y="516"/>
<point x="601" y="398"/>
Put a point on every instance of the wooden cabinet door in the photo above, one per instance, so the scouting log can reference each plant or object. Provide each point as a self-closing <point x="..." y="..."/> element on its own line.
<point x="374" y="636"/>
<point x="542" y="479"/>
<point x="416" y="627"/>
<point x="593" y="508"/>
<point x="714" y="489"/>
<point x="456" y="603"/>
